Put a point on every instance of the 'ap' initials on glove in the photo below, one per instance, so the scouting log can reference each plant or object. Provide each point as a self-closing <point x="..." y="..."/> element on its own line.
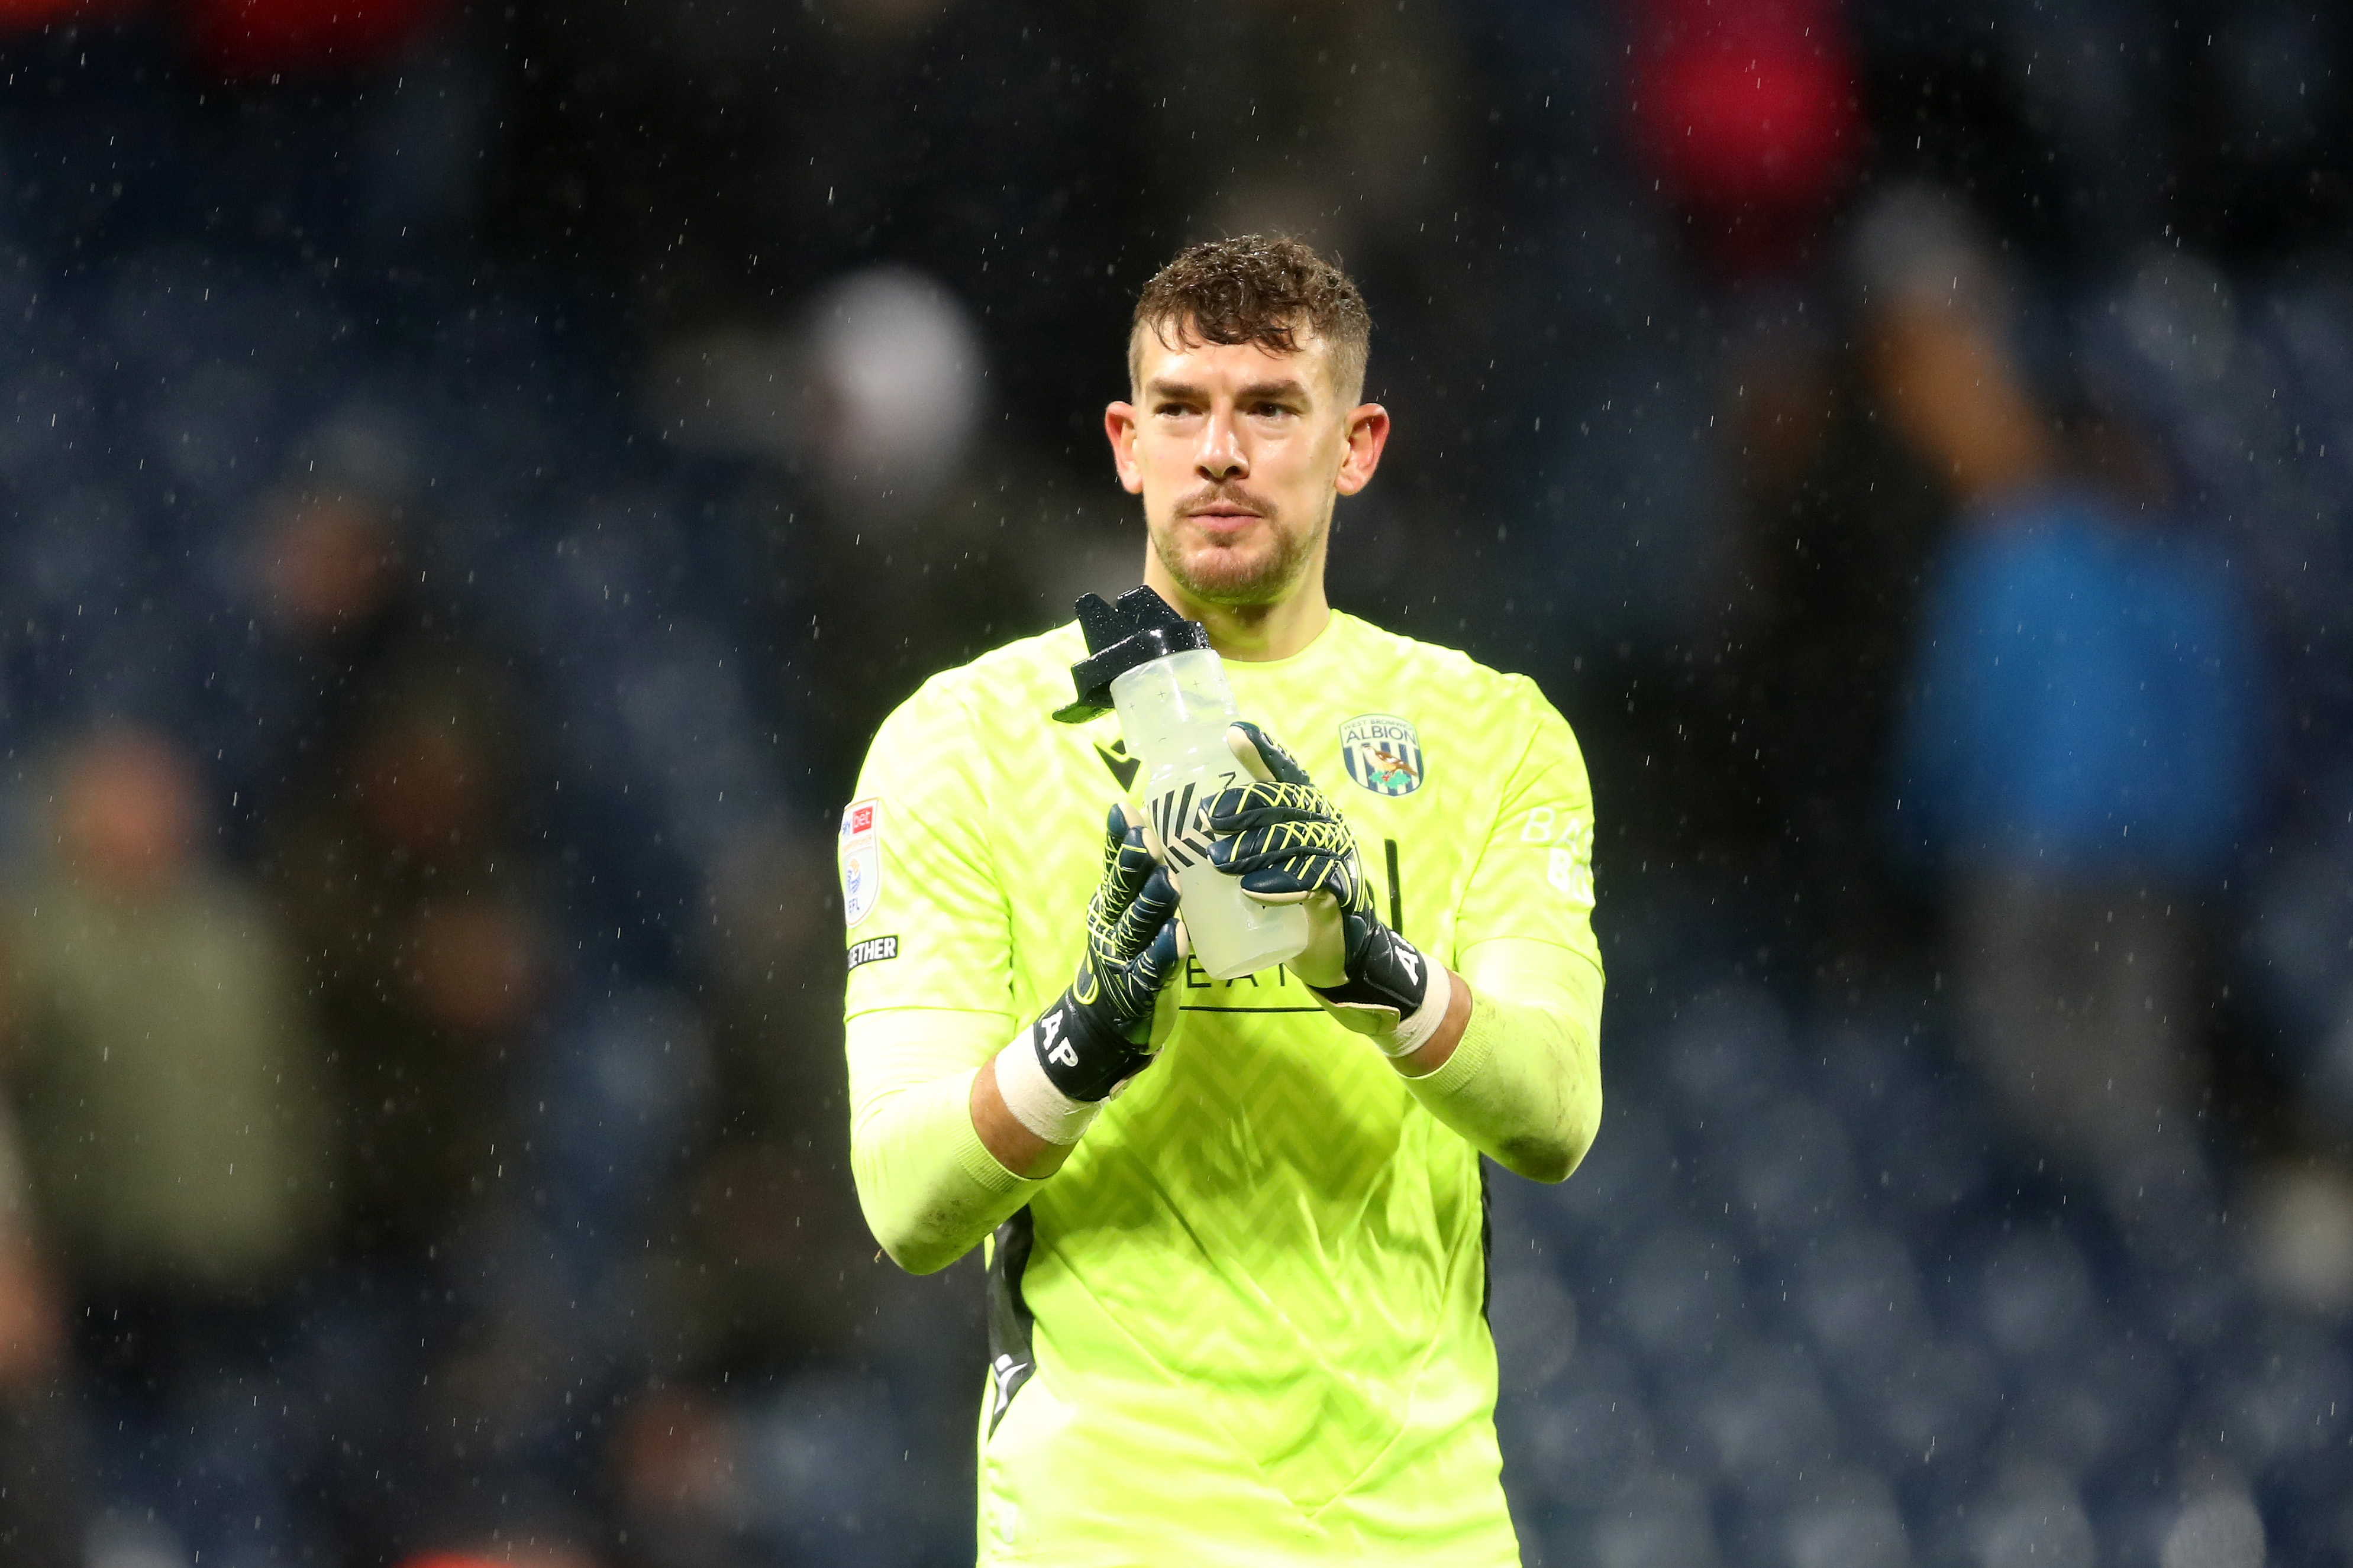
<point x="1057" y="1073"/>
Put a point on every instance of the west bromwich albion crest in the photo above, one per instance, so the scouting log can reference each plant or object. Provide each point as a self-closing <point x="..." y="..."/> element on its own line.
<point x="1382" y="753"/>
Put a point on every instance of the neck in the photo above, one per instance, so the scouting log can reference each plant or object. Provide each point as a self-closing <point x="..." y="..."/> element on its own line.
<point x="1251" y="633"/>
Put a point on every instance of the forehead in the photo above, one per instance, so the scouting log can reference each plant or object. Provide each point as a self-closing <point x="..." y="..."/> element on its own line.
<point x="1156" y="356"/>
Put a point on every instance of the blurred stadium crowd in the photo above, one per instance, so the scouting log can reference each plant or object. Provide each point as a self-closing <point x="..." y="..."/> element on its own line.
<point x="475" y="476"/>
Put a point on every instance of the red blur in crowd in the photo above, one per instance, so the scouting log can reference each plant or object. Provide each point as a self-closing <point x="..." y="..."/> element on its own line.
<point x="1747" y="111"/>
<point x="257" y="38"/>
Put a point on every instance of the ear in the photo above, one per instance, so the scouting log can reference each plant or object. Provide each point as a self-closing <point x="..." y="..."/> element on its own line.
<point x="1121" y="426"/>
<point x="1368" y="432"/>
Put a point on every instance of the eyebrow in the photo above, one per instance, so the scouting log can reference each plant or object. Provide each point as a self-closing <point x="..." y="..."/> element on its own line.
<point x="1287" y="390"/>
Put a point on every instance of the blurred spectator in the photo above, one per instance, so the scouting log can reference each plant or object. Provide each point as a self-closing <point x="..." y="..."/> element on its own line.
<point x="254" y="38"/>
<point x="1836" y="522"/>
<point x="674" y="1475"/>
<point x="753" y="1441"/>
<point x="896" y="375"/>
<point x="330" y="564"/>
<point x="330" y="560"/>
<point x="761" y="1280"/>
<point x="391" y="823"/>
<point x="2300" y="1237"/>
<point x="1747" y="110"/>
<point x="2081" y="746"/>
<point x="408" y="895"/>
<point x="42" y="1462"/>
<point x="530" y="1554"/>
<point x="916" y="530"/>
<point x="177" y="1144"/>
<point x="414" y="906"/>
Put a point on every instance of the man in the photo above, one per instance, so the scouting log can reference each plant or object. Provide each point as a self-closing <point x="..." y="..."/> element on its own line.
<point x="2114" y="675"/>
<point x="166" y="1071"/>
<point x="1238" y="1312"/>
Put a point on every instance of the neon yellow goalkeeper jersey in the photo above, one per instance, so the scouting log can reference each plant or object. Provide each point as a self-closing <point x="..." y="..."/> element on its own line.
<point x="1245" y="1324"/>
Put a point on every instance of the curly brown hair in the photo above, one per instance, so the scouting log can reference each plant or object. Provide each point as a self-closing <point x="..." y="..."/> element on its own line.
<point x="1256" y="289"/>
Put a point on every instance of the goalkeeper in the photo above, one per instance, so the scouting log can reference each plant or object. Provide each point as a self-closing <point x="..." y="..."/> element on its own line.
<point x="1235" y="1230"/>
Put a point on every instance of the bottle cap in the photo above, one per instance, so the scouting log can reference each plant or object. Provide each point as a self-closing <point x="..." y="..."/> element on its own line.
<point x="1138" y="629"/>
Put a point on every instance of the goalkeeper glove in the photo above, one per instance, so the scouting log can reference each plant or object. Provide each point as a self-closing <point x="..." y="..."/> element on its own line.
<point x="1056" y="1074"/>
<point x="1290" y="845"/>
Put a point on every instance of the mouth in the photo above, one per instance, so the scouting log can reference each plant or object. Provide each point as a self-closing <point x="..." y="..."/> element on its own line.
<point x="1223" y="519"/>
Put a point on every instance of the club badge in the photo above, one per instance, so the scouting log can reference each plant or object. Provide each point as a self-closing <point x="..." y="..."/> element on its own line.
<point x="861" y="859"/>
<point x="1382" y="753"/>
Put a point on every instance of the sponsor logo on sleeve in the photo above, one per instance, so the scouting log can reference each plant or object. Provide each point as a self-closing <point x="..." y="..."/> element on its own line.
<point x="861" y="859"/>
<point x="1567" y="838"/>
<point x="1382" y="753"/>
<point x="873" y="950"/>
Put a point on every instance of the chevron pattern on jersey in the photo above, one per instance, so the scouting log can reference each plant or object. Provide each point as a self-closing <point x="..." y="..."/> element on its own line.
<point x="1258" y="1277"/>
<point x="1328" y="1171"/>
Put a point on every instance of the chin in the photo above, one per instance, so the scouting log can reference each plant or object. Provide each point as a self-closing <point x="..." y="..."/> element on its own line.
<point x="1221" y="577"/>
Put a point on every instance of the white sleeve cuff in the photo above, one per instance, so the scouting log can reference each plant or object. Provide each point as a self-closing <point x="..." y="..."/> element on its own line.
<point x="1413" y="1032"/>
<point x="1035" y="1103"/>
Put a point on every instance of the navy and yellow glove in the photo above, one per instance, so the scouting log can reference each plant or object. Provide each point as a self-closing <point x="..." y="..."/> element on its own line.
<point x="1290" y="845"/>
<point x="1097" y="1034"/>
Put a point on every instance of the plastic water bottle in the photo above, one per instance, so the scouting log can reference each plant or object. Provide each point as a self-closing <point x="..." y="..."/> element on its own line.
<point x="1157" y="670"/>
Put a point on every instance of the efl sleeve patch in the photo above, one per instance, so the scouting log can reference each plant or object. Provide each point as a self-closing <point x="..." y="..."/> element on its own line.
<point x="872" y="949"/>
<point x="861" y="859"/>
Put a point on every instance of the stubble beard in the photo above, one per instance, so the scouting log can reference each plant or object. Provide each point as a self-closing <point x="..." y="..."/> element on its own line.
<point x="1213" y="574"/>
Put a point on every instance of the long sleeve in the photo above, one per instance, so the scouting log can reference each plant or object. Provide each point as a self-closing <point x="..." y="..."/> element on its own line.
<point x="1523" y="1084"/>
<point x="929" y="1188"/>
<point x="928" y="998"/>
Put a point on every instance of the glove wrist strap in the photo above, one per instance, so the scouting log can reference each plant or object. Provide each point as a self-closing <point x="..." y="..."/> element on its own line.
<point x="1414" y="1030"/>
<point x="1032" y="1096"/>
<point x="1081" y="1051"/>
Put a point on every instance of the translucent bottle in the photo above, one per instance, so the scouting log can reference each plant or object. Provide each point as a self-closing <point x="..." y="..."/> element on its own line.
<point x="1159" y="672"/>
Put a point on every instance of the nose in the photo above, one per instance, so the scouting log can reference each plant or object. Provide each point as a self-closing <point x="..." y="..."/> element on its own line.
<point x="1221" y="456"/>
